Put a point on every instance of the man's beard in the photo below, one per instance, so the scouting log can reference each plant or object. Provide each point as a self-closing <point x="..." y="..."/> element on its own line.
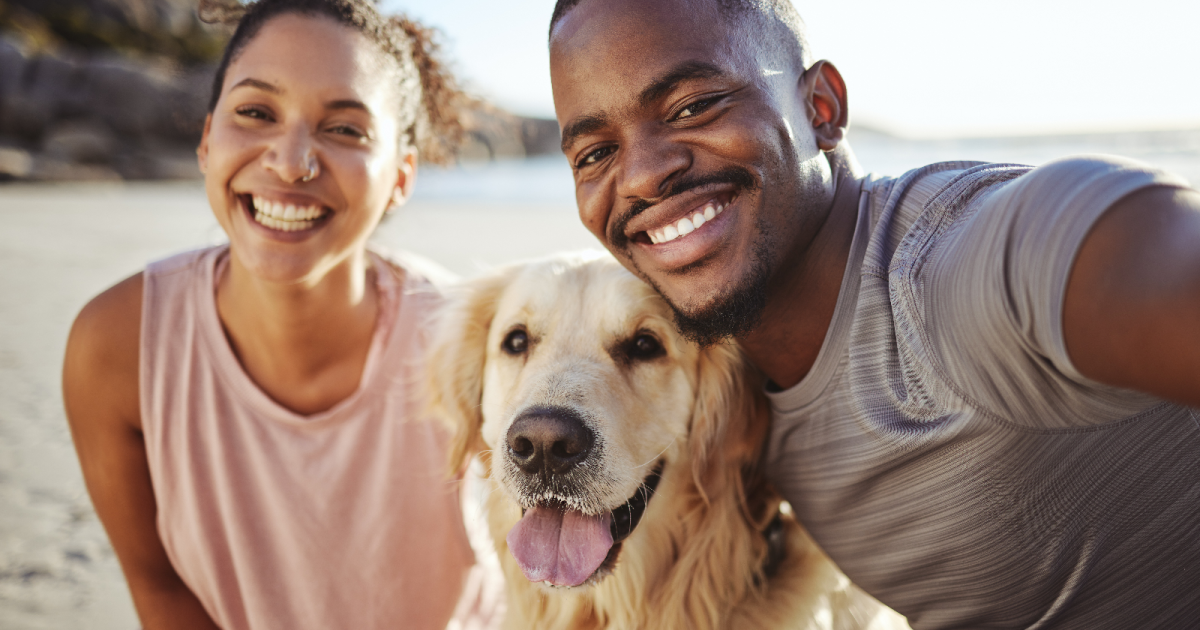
<point x="731" y="314"/>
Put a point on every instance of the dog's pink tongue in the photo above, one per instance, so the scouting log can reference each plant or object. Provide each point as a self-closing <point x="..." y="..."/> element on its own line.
<point x="564" y="548"/>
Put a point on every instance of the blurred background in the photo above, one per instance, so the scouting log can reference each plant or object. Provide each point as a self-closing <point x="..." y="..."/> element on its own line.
<point x="115" y="89"/>
<point x="101" y="103"/>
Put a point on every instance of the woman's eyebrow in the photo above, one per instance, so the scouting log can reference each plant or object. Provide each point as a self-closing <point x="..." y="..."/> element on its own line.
<point x="256" y="83"/>
<point x="347" y="104"/>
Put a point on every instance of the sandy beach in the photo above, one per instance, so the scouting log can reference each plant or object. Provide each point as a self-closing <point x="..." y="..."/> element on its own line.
<point x="62" y="244"/>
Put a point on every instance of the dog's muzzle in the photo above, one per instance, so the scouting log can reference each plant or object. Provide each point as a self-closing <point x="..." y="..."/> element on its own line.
<point x="564" y="537"/>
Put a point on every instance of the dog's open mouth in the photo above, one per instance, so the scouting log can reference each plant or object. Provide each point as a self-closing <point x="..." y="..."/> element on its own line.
<point x="565" y="547"/>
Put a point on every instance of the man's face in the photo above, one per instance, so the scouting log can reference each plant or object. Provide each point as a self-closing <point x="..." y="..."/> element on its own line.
<point x="693" y="151"/>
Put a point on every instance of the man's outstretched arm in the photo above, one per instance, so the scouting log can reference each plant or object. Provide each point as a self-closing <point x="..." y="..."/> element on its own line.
<point x="1131" y="316"/>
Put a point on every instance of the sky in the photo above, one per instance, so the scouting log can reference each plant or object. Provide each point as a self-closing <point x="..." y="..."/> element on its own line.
<point x="919" y="68"/>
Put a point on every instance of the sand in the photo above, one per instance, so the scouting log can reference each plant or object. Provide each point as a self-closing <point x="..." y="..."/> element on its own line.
<point x="62" y="244"/>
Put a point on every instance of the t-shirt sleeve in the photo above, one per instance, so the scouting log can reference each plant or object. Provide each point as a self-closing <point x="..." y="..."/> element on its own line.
<point x="993" y="285"/>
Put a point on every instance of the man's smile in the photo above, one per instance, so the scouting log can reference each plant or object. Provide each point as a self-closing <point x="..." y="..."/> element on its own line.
<point x="688" y="224"/>
<point x="684" y="227"/>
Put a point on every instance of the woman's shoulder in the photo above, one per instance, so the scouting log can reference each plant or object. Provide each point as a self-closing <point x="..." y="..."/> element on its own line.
<point x="111" y="321"/>
<point x="190" y="261"/>
<point x="416" y="271"/>
<point x="101" y="361"/>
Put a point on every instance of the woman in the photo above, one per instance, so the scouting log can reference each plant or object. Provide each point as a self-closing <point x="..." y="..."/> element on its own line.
<point x="244" y="415"/>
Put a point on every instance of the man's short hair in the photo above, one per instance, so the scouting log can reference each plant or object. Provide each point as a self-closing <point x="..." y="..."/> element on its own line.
<point x="777" y="17"/>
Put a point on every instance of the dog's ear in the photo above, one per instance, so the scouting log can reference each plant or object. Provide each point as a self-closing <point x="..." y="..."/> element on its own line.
<point x="455" y="360"/>
<point x="729" y="422"/>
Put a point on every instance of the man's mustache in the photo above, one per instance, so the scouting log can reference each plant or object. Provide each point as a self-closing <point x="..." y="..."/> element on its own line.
<point x="735" y="175"/>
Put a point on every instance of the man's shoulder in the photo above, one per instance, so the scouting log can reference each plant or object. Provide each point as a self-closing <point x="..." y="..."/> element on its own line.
<point x="950" y="186"/>
<point x="900" y="209"/>
<point x="968" y="267"/>
<point x="901" y="200"/>
<point x="917" y="208"/>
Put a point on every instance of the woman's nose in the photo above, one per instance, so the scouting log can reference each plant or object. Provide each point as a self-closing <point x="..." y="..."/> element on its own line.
<point x="292" y="155"/>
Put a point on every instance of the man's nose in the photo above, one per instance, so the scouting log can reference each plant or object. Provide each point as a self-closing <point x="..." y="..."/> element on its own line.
<point x="649" y="164"/>
<point x="292" y="154"/>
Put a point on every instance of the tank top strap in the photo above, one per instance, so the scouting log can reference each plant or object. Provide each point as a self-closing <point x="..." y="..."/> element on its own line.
<point x="170" y="322"/>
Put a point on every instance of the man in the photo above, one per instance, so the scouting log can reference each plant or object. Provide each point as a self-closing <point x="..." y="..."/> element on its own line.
<point x="984" y="379"/>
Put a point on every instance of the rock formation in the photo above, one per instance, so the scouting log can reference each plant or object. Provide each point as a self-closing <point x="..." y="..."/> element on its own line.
<point x="117" y="89"/>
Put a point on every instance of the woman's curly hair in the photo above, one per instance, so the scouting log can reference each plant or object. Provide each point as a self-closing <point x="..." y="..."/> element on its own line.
<point x="430" y="101"/>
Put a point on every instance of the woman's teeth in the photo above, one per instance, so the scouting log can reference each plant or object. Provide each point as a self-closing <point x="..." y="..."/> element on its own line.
<point x="686" y="225"/>
<point x="285" y="217"/>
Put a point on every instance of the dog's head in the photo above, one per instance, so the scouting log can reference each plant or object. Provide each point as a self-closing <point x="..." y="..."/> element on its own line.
<point x="569" y="373"/>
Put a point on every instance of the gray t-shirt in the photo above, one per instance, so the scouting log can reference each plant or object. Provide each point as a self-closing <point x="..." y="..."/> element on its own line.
<point x="944" y="450"/>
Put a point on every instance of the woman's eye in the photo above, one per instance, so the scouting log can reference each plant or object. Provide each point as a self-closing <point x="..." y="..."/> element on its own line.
<point x="645" y="347"/>
<point x="515" y="342"/>
<point x="347" y="130"/>
<point x="595" y="156"/>
<point x="253" y="112"/>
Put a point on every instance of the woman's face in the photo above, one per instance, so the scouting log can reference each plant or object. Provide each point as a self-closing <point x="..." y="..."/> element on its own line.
<point x="304" y="98"/>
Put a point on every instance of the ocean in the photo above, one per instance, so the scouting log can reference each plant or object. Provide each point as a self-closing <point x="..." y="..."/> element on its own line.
<point x="548" y="179"/>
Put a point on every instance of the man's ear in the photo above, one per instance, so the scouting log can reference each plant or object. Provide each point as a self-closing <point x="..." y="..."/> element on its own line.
<point x="202" y="149"/>
<point x="824" y="94"/>
<point x="406" y="174"/>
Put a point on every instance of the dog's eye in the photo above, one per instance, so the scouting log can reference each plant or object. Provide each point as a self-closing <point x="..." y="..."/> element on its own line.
<point x="516" y="342"/>
<point x="645" y="347"/>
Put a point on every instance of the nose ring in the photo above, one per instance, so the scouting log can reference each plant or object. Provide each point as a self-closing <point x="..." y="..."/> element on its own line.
<point x="312" y="171"/>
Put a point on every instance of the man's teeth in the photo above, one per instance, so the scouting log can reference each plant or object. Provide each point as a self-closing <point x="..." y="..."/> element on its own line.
<point x="285" y="217"/>
<point x="686" y="225"/>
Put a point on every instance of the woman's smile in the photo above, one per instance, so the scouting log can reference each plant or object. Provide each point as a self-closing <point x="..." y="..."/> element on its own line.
<point x="285" y="216"/>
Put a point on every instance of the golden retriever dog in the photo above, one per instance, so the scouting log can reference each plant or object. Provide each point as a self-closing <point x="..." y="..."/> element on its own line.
<point x="624" y="487"/>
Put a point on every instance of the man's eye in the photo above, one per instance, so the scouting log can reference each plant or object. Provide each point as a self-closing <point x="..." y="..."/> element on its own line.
<point x="695" y="108"/>
<point x="595" y="156"/>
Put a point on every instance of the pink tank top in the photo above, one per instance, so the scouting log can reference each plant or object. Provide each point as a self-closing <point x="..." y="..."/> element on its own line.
<point x="340" y="520"/>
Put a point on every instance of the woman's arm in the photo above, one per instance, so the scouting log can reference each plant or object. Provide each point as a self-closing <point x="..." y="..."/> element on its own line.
<point x="100" y="389"/>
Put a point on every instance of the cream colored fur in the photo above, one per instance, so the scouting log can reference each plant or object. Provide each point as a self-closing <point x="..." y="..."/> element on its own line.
<point x="695" y="560"/>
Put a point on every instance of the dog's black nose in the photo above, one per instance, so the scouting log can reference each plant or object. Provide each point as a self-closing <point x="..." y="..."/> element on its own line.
<point x="550" y="439"/>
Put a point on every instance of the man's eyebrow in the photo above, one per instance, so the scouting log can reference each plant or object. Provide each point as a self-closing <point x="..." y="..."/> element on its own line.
<point x="582" y="126"/>
<point x="685" y="71"/>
